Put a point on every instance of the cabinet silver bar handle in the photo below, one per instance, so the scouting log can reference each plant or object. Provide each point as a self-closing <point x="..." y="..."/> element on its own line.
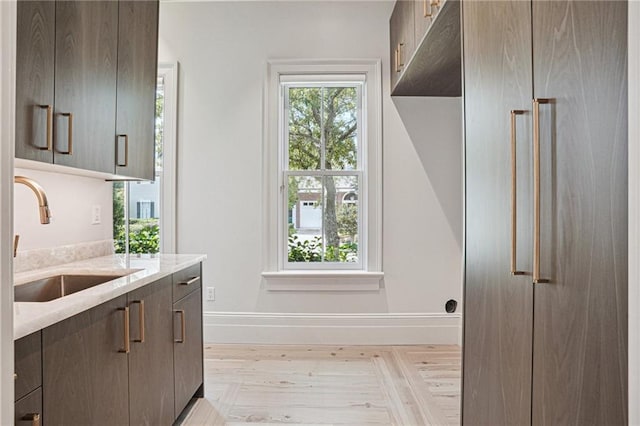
<point x="514" y="208"/>
<point x="536" y="189"/>
<point x="127" y="344"/>
<point x="69" y="150"/>
<point x="190" y="281"/>
<point x="141" y="316"/>
<point x="126" y="150"/>
<point x="183" y="326"/>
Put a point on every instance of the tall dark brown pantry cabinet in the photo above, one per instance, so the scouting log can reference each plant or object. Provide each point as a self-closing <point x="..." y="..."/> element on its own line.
<point x="545" y="95"/>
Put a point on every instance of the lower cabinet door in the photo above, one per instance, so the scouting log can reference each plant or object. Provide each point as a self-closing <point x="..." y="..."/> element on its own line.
<point x="28" y="410"/>
<point x="187" y="351"/>
<point x="85" y="367"/>
<point x="151" y="356"/>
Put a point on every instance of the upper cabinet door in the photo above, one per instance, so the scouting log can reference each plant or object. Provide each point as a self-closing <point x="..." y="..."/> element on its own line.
<point x="498" y="304"/>
<point x="85" y="84"/>
<point x="34" y="80"/>
<point x="402" y="35"/>
<point x="137" y="71"/>
<point x="580" y="339"/>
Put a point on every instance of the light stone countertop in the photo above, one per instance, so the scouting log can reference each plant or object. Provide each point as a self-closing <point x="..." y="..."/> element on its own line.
<point x="29" y="317"/>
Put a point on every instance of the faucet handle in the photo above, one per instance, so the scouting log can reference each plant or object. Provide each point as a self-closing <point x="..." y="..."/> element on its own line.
<point x="16" y="240"/>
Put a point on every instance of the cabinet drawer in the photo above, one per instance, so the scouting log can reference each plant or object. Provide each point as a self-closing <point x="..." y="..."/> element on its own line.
<point x="186" y="281"/>
<point x="28" y="410"/>
<point x="28" y="364"/>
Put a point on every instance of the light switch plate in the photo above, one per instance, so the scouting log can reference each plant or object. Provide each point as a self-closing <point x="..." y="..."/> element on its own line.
<point x="96" y="215"/>
<point x="211" y="294"/>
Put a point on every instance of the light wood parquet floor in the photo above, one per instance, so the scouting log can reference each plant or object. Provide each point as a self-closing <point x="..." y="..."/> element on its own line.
<point x="329" y="385"/>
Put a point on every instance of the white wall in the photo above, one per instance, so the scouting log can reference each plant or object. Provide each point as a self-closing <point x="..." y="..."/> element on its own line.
<point x="222" y="48"/>
<point x="70" y="200"/>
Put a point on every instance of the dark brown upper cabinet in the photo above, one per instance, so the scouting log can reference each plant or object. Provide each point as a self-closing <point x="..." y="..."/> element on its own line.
<point x="35" y="58"/>
<point x="86" y="85"/>
<point x="402" y="37"/>
<point x="425" y="49"/>
<point x="137" y="72"/>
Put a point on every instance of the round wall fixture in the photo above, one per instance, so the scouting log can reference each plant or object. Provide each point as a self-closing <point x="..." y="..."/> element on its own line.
<point x="450" y="306"/>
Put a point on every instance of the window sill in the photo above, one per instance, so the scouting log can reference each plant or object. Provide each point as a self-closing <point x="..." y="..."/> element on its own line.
<point x="323" y="280"/>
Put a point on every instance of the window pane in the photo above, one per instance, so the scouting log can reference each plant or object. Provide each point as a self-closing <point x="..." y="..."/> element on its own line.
<point x="340" y="126"/>
<point x="119" y="237"/>
<point x="341" y="219"/>
<point x="304" y="128"/>
<point x="305" y="219"/>
<point x="144" y="217"/>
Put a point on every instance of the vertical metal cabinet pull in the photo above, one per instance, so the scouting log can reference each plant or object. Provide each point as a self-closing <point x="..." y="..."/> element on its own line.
<point x="49" y="109"/>
<point x="400" y="61"/>
<point x="397" y="60"/>
<point x="536" y="189"/>
<point x="514" y="208"/>
<point x="69" y="150"/>
<point x="127" y="344"/>
<point x="426" y="11"/>
<point x="140" y="320"/>
<point x="183" y="326"/>
<point x="126" y="150"/>
<point x="34" y="418"/>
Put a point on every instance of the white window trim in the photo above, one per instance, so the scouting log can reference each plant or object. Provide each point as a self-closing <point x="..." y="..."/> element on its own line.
<point x="369" y="275"/>
<point x="168" y="189"/>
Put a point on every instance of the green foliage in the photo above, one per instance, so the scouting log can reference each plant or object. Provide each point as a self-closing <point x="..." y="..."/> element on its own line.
<point x="305" y="251"/>
<point x="348" y="220"/>
<point x="347" y="252"/>
<point x="311" y="251"/>
<point x="144" y="237"/>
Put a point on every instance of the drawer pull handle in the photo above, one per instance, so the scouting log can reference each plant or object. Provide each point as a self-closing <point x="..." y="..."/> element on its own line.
<point x="127" y="344"/>
<point x="183" y="326"/>
<point x="190" y="281"/>
<point x="140" y="321"/>
<point x="34" y="418"/>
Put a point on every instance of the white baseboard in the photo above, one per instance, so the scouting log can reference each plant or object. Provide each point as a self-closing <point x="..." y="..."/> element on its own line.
<point x="337" y="329"/>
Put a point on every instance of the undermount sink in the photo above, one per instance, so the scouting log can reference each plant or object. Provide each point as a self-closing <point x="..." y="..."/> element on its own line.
<point x="50" y="288"/>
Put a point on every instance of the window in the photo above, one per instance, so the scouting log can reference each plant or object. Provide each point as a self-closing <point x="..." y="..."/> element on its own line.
<point x="321" y="142"/>
<point x="322" y="165"/>
<point x="143" y="218"/>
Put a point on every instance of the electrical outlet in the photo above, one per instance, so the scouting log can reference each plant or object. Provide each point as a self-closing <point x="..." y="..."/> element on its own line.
<point x="96" y="215"/>
<point x="211" y="294"/>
